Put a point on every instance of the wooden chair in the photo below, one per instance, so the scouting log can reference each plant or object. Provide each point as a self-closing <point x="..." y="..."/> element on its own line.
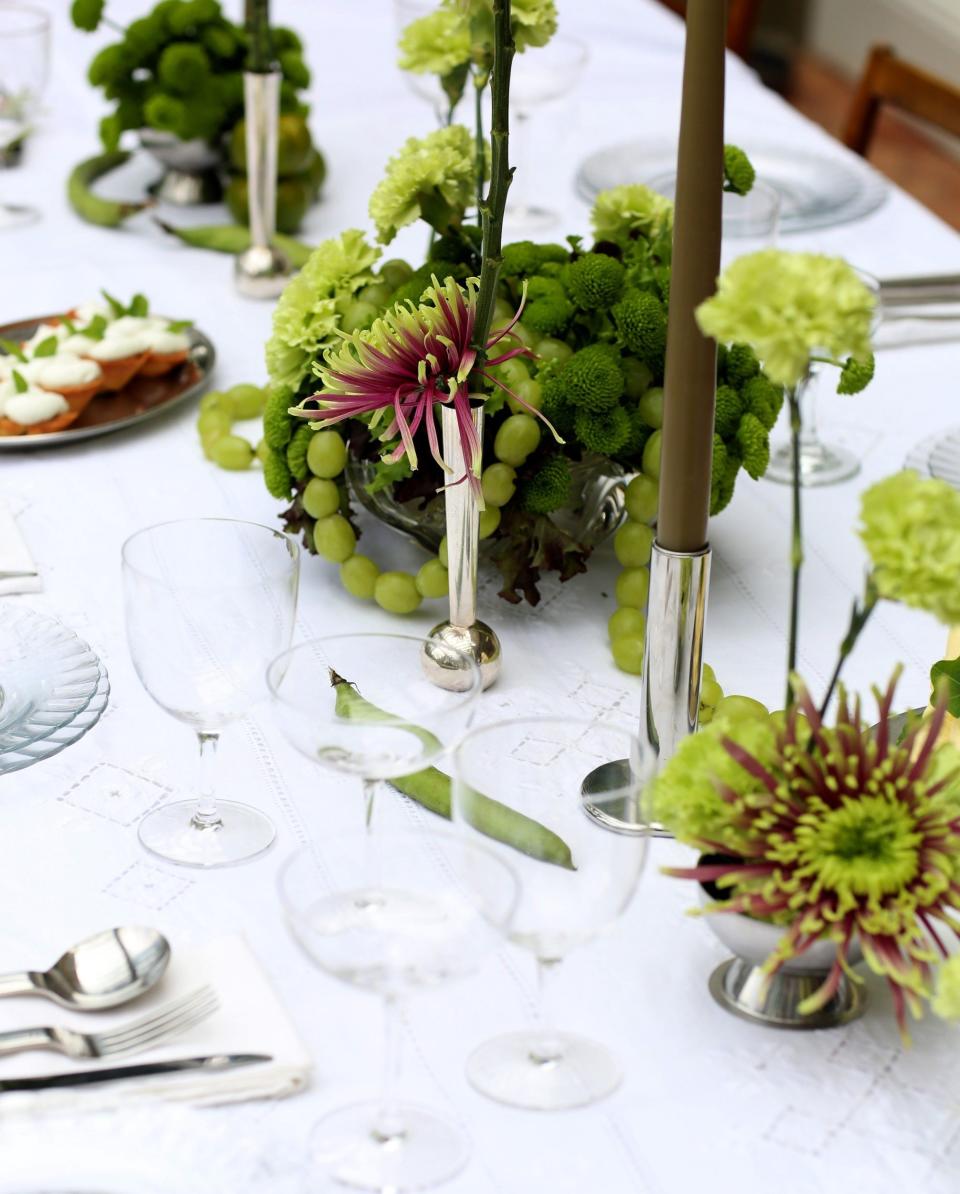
<point x="741" y="22"/>
<point x="888" y="80"/>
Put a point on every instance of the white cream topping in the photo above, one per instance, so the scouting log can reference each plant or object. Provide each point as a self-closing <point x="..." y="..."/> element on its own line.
<point x="34" y="406"/>
<point x="117" y="348"/>
<point x="44" y="332"/>
<point x="163" y="342"/>
<point x="135" y="323"/>
<point x="79" y="345"/>
<point x="65" y="370"/>
<point x="88" y="311"/>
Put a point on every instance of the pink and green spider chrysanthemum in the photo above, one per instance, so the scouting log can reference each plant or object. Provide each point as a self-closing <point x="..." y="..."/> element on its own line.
<point x="410" y="362"/>
<point x="846" y="834"/>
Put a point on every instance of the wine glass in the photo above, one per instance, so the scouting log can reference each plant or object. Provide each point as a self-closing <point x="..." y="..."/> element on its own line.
<point x="571" y="890"/>
<point x="540" y="75"/>
<point x="390" y="914"/>
<point x="209" y="602"/>
<point x="363" y="705"/>
<point x="427" y="87"/>
<point x="24" y="65"/>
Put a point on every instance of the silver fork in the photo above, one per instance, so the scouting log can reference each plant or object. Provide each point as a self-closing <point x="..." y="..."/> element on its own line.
<point x="139" y="1034"/>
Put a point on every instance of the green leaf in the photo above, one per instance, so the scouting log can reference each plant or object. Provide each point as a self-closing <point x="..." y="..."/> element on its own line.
<point x="12" y="349"/>
<point x="179" y="325"/>
<point x="46" y="348"/>
<point x="116" y="306"/>
<point x="20" y="383"/>
<point x="95" y="328"/>
<point x="69" y="325"/>
<point x="947" y="673"/>
<point x="139" y="306"/>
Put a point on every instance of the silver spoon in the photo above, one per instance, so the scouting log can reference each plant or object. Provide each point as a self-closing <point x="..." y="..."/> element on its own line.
<point x="106" y="970"/>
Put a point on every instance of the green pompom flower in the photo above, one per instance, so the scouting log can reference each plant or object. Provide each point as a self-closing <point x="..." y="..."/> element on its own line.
<point x="631" y="208"/>
<point x="432" y="177"/>
<point x="786" y="306"/>
<point x="910" y="527"/>
<point x="183" y="67"/>
<point x="594" y="281"/>
<point x="856" y="375"/>
<point x="436" y="44"/>
<point x="753" y="440"/>
<point x="87" y="14"/>
<point x="276" y="474"/>
<point x="604" y="432"/>
<point x="738" y="172"/>
<point x="549" y="488"/>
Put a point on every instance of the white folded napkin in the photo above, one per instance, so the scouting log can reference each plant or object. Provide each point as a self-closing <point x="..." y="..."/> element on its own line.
<point x="18" y="572"/>
<point x="250" y="1019"/>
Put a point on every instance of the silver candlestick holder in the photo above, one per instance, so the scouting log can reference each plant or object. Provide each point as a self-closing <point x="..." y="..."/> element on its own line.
<point x="462" y="631"/>
<point x="262" y="271"/>
<point x="670" y="685"/>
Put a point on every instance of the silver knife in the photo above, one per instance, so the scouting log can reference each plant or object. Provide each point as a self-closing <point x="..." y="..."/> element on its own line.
<point x="212" y="1064"/>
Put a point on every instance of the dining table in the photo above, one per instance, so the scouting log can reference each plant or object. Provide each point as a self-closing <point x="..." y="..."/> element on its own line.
<point x="708" y="1101"/>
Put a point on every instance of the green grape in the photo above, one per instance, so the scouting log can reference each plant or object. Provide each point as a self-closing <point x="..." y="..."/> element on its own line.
<point x="642" y="498"/>
<point x="377" y="293"/>
<point x="489" y="521"/>
<point x="334" y="539"/>
<point x="499" y="484"/>
<point x="633" y="588"/>
<point x="232" y="451"/>
<point x="245" y="401"/>
<point x="651" y="455"/>
<point x="711" y="693"/>
<point x="320" y="497"/>
<point x="637" y="377"/>
<point x="213" y="423"/>
<point x="705" y="716"/>
<point x="740" y="708"/>
<point x="442" y="552"/>
<point x="327" y="455"/>
<point x="532" y="394"/>
<point x="632" y="544"/>
<point x="650" y="407"/>
<point x="517" y="437"/>
<point x="395" y="272"/>
<point x="262" y="451"/>
<point x="628" y="654"/>
<point x="549" y="349"/>
<point x="358" y="314"/>
<point x="502" y="313"/>
<point x="433" y="580"/>
<point x="627" y="623"/>
<point x="512" y="373"/>
<point x="358" y="575"/>
<point x="526" y="337"/>
<point x="397" y="592"/>
<point x="214" y="400"/>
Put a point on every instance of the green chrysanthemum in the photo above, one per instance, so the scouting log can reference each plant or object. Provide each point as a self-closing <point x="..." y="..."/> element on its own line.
<point x="787" y="306"/>
<point x="433" y="177"/>
<point x="534" y="22"/>
<point x="437" y="43"/>
<point x="841" y="833"/>
<point x="631" y="208"/>
<point x="910" y="527"/>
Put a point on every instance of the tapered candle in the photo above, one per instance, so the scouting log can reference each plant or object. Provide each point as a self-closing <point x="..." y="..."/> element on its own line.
<point x="691" y="367"/>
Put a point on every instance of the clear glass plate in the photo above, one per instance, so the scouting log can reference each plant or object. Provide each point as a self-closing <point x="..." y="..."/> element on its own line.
<point x="945" y="457"/>
<point x="816" y="190"/>
<point x="48" y="678"/>
<point x="65" y="736"/>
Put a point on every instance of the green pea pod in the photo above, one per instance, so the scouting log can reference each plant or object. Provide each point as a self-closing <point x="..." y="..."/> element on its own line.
<point x="432" y="790"/>
<point x="108" y="213"/>
<point x="234" y="238"/>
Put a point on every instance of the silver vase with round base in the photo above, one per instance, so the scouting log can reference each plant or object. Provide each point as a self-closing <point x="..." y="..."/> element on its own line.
<point x="740" y="986"/>
<point x="191" y="168"/>
<point x="461" y="630"/>
<point x="262" y="271"/>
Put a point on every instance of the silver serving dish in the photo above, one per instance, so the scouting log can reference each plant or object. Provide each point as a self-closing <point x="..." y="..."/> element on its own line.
<point x="142" y="399"/>
<point x="191" y="168"/>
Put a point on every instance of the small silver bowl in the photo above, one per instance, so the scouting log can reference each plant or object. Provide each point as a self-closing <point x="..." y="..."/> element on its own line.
<point x="191" y="168"/>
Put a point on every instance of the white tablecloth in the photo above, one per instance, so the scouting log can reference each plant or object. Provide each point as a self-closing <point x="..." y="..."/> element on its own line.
<point x="709" y="1102"/>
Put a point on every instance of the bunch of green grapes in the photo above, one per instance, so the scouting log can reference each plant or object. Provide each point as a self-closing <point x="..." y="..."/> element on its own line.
<point x="179" y="69"/>
<point x="219" y="410"/>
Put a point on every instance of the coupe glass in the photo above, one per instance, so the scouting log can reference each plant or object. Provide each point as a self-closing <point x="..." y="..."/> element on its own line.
<point x="390" y="914"/>
<point x="24" y="63"/>
<point x="539" y="76"/>
<point x="209" y="602"/>
<point x="537" y="766"/>
<point x="363" y="705"/>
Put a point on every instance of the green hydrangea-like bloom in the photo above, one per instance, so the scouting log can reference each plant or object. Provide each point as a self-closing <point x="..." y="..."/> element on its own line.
<point x="437" y="170"/>
<point x="437" y="43"/>
<point x="910" y="527"/>
<point x="630" y="208"/>
<point x="787" y="306"/>
<point x="549" y="488"/>
<point x="533" y="22"/>
<point x="305" y="319"/>
<point x="841" y="833"/>
<point x="946" y="1003"/>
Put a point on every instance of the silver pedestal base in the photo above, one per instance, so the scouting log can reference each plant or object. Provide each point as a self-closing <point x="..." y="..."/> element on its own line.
<point x="741" y="987"/>
<point x="261" y="272"/>
<point x="479" y="641"/>
<point x="611" y="814"/>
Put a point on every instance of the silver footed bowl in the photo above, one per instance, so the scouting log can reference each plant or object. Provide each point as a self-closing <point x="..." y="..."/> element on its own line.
<point x="191" y="168"/>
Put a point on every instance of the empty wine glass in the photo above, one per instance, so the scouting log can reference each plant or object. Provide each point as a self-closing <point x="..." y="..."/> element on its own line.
<point x="24" y="65"/>
<point x="391" y="914"/>
<point x="579" y="885"/>
<point x="426" y="86"/>
<point x="539" y="76"/>
<point x="209" y="602"/>
<point x="363" y="705"/>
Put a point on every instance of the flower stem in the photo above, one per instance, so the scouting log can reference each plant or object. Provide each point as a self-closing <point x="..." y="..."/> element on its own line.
<point x="859" y="616"/>
<point x="796" y="538"/>
<point x="478" y="89"/>
<point x="493" y="204"/>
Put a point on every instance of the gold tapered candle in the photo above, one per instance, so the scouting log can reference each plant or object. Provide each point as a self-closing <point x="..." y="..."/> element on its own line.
<point x="690" y="380"/>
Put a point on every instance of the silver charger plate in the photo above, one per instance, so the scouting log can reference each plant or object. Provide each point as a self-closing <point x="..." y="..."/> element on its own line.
<point x="142" y="399"/>
<point x="53" y="688"/>
<point x="816" y="190"/>
<point x="938" y="455"/>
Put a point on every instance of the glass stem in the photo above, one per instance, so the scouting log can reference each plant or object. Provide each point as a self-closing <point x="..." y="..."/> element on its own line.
<point x="809" y="432"/>
<point x="369" y="794"/>
<point x="389" y="1127"/>
<point x="207" y="815"/>
<point x="547" y="1048"/>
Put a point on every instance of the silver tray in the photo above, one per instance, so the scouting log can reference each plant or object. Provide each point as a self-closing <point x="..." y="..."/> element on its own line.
<point x="143" y="399"/>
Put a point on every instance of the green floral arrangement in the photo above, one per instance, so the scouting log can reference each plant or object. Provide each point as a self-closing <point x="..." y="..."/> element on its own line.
<point x="840" y="831"/>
